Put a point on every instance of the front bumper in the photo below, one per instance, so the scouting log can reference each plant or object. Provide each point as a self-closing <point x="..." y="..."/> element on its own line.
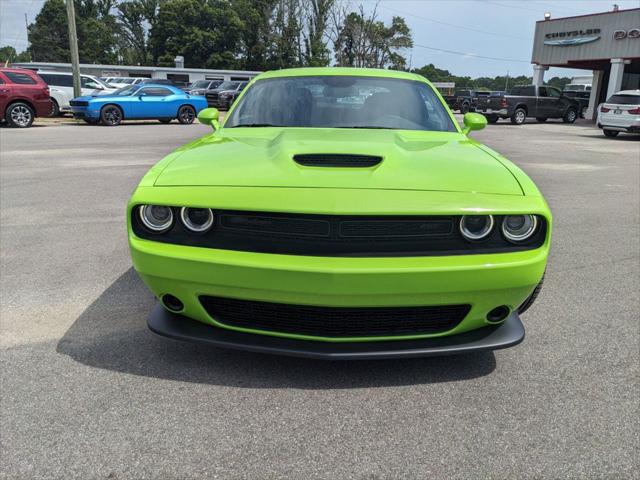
<point x="507" y="334"/>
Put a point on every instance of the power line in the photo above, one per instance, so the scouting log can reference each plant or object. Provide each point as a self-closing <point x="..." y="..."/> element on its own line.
<point x="473" y="55"/>
<point x="452" y="24"/>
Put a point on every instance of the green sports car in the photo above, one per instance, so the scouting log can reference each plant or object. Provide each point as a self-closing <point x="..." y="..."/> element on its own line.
<point x="340" y="213"/>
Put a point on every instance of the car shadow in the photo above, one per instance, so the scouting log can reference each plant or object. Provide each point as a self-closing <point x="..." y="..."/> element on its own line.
<point x="112" y="334"/>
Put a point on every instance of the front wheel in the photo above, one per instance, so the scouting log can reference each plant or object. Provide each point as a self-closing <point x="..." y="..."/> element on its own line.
<point x="610" y="133"/>
<point x="464" y="109"/>
<point x="570" y="116"/>
<point x="541" y="119"/>
<point x="492" y="118"/>
<point x="19" y="115"/>
<point x="519" y="116"/>
<point x="111" y="115"/>
<point x="186" y="114"/>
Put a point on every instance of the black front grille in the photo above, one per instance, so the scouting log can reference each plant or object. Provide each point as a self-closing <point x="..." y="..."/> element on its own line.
<point x="334" y="322"/>
<point x="336" y="235"/>
<point x="212" y="96"/>
<point x="336" y="160"/>
<point x="78" y="103"/>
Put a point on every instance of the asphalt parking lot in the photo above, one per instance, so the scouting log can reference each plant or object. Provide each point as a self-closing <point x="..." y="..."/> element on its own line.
<point x="88" y="392"/>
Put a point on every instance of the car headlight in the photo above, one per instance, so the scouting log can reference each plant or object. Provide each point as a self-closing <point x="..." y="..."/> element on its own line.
<point x="197" y="220"/>
<point x="156" y="218"/>
<point x="518" y="228"/>
<point x="476" y="227"/>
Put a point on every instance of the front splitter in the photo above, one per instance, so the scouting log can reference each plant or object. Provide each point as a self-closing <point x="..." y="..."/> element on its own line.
<point x="179" y="327"/>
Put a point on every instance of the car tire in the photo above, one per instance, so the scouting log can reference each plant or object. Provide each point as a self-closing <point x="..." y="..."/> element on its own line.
<point x="570" y="116"/>
<point x="186" y="114"/>
<point x="55" y="108"/>
<point x="165" y="120"/>
<point x="610" y="133"/>
<point x="519" y="116"/>
<point x="111" y="115"/>
<point x="19" y="115"/>
<point x="492" y="119"/>
<point x="531" y="298"/>
<point x="541" y="119"/>
<point x="464" y="109"/>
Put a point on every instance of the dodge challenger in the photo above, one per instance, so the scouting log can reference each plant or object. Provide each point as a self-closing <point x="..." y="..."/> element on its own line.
<point x="139" y="102"/>
<point x="340" y="214"/>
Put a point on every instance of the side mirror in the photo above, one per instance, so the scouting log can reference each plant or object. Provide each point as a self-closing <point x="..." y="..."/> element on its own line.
<point x="473" y="121"/>
<point x="209" y="116"/>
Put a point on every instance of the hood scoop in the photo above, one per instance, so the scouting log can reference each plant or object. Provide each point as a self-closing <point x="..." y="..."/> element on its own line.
<point x="337" y="160"/>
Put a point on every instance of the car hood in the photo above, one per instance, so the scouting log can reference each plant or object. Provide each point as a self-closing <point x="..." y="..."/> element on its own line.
<point x="411" y="160"/>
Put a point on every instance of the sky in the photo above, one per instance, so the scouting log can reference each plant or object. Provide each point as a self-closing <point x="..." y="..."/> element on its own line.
<point x="492" y="28"/>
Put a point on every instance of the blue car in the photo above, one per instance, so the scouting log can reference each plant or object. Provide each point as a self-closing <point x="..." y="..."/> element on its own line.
<point x="135" y="102"/>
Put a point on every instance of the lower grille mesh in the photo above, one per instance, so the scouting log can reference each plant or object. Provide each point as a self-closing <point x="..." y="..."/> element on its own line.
<point x="334" y="321"/>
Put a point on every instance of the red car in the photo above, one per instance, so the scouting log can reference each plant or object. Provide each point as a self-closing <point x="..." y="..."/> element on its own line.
<point x="23" y="96"/>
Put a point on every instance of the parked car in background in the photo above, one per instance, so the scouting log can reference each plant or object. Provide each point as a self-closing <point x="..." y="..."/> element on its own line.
<point x="225" y="94"/>
<point x="63" y="84"/>
<point x="465" y="101"/>
<point x="581" y="96"/>
<point x="120" y="82"/>
<point x="541" y="102"/>
<point x="23" y="97"/>
<point x="200" y="87"/>
<point x="59" y="101"/>
<point x="620" y="113"/>
<point x="136" y="102"/>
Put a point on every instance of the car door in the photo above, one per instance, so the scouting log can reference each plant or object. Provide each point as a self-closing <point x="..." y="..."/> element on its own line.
<point x="545" y="104"/>
<point x="4" y="95"/>
<point x="556" y="102"/>
<point x="154" y="102"/>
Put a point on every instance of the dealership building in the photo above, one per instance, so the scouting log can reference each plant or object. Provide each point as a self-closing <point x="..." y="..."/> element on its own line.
<point x="606" y="43"/>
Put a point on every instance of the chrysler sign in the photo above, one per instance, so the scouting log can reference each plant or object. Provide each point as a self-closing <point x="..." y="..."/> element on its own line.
<point x="573" y="37"/>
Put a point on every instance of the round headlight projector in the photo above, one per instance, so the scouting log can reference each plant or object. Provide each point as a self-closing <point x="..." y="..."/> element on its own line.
<point x="197" y="220"/>
<point x="476" y="227"/>
<point x="518" y="228"/>
<point x="156" y="218"/>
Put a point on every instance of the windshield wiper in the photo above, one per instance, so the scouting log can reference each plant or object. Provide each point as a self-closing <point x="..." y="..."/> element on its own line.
<point x="378" y="127"/>
<point x="255" y="125"/>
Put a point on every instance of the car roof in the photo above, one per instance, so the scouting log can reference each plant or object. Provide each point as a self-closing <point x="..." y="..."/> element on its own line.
<point x="628" y="92"/>
<point x="19" y="70"/>
<point x="346" y="71"/>
<point x="158" y="85"/>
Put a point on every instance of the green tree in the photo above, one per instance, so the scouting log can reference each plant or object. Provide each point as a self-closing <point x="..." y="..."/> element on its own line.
<point x="96" y="26"/>
<point x="8" y="54"/>
<point x="317" y="53"/>
<point x="136" y="18"/>
<point x="364" y="41"/>
<point x="256" y="34"/>
<point x="205" y="32"/>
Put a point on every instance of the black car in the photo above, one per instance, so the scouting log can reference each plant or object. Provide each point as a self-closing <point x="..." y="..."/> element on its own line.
<point x="541" y="102"/>
<point x="225" y="94"/>
<point x="200" y="87"/>
<point x="581" y="96"/>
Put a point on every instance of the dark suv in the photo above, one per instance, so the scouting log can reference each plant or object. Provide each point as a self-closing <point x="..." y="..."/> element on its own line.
<point x="200" y="87"/>
<point x="225" y="94"/>
<point x="23" y="97"/>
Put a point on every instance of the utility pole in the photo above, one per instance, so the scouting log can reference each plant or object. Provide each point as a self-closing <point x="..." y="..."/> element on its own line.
<point x="73" y="47"/>
<point x="506" y="82"/>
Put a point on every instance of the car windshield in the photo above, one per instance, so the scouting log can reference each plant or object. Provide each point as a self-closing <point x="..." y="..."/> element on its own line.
<point x="103" y="83"/>
<point x="341" y="102"/>
<point x="623" y="99"/>
<point x="126" y="91"/>
<point x="228" y="85"/>
<point x="201" y="84"/>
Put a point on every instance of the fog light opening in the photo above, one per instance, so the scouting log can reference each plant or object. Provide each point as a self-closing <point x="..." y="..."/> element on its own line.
<point x="498" y="314"/>
<point x="172" y="303"/>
